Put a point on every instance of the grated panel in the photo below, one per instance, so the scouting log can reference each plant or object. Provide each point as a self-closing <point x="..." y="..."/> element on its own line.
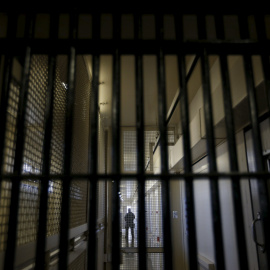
<point x="9" y="154"/>
<point x="79" y="263"/>
<point x="129" y="147"/>
<point x="80" y="144"/>
<point x="57" y="145"/>
<point x="32" y="156"/>
<point x="154" y="227"/>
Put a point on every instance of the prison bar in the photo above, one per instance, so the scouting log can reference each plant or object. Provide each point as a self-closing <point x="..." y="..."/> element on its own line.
<point x="236" y="190"/>
<point x="149" y="176"/>
<point x="93" y="176"/>
<point x="238" y="213"/>
<point x="94" y="152"/>
<point x="163" y="147"/>
<point x="215" y="201"/>
<point x="194" y="63"/>
<point x="189" y="184"/>
<point x="66" y="182"/>
<point x="89" y="46"/>
<point x="18" y="160"/>
<point x="116" y="147"/>
<point x="177" y="100"/>
<point x="208" y="114"/>
<point x="43" y="208"/>
<point x="140" y="145"/>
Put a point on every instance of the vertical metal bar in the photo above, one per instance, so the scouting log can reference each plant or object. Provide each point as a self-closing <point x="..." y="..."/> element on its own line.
<point x="194" y="64"/>
<point x="189" y="186"/>
<point x="8" y="63"/>
<point x="201" y="26"/>
<point x="140" y="144"/>
<point x="18" y="160"/>
<point x="116" y="147"/>
<point x="94" y="152"/>
<point x="266" y="72"/>
<point x="215" y="202"/>
<point x="43" y="207"/>
<point x="208" y="114"/>
<point x="162" y="113"/>
<point x="220" y="33"/>
<point x="236" y="190"/>
<point x="257" y="146"/>
<point x="243" y="27"/>
<point x="260" y="27"/>
<point x="65" y="205"/>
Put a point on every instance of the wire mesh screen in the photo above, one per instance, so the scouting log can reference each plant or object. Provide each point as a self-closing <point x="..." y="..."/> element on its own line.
<point x="129" y="197"/>
<point x="154" y="214"/>
<point x="9" y="160"/>
<point x="32" y="157"/>
<point x="129" y="202"/>
<point x="32" y="161"/>
<point x="79" y="263"/>
<point x="129" y="151"/>
<point x="130" y="261"/>
<point x="33" y="149"/>
<point x="57" y="146"/>
<point x="156" y="261"/>
<point x="151" y="138"/>
<point x="79" y="188"/>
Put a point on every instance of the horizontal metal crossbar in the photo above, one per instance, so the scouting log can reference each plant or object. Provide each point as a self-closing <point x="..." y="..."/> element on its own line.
<point x="111" y="176"/>
<point x="88" y="46"/>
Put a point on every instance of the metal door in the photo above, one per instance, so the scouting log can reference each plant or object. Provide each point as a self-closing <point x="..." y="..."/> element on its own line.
<point x="256" y="224"/>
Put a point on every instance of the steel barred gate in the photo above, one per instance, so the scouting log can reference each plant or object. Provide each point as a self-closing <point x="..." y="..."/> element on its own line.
<point x="164" y="113"/>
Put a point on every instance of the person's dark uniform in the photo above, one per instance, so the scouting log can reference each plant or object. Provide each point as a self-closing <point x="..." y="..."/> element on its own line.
<point x="129" y="219"/>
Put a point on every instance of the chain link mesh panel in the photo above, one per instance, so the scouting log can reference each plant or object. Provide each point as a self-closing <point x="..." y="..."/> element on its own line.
<point x="8" y="165"/>
<point x="129" y="147"/>
<point x="154" y="227"/>
<point x="32" y="156"/>
<point x="130" y="261"/>
<point x="57" y="145"/>
<point x="80" y="145"/>
<point x="129" y="199"/>
<point x="78" y="263"/>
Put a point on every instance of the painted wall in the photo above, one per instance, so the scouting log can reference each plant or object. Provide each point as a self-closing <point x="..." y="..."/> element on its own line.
<point x="203" y="209"/>
<point x="202" y="192"/>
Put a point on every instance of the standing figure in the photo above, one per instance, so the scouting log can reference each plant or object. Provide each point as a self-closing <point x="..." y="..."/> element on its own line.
<point x="129" y="219"/>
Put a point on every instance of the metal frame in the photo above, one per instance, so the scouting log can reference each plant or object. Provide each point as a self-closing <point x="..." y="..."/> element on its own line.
<point x="96" y="46"/>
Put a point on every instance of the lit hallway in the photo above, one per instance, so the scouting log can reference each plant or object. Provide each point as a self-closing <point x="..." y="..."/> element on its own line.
<point x="166" y="114"/>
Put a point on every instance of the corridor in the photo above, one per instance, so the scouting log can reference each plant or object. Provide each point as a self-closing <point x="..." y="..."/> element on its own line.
<point x="162" y="114"/>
